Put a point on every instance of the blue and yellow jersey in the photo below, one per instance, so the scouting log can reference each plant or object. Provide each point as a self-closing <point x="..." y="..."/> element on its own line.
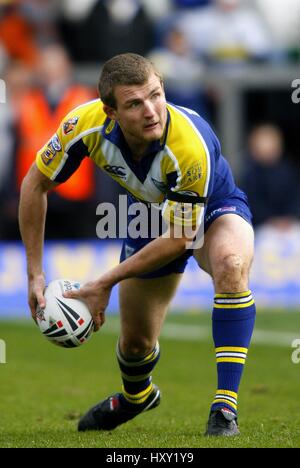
<point x="185" y="166"/>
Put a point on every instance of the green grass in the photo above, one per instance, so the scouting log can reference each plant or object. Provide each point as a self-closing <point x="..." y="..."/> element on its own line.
<point x="44" y="390"/>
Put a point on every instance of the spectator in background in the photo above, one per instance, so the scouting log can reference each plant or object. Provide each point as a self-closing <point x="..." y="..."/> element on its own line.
<point x="75" y="10"/>
<point x="42" y="16"/>
<point x="283" y="20"/>
<point x="17" y="35"/>
<point x="111" y="27"/>
<point x="157" y="9"/>
<point x="227" y="32"/>
<point x="39" y="113"/>
<point x="17" y="77"/>
<point x="271" y="181"/>
<point x="191" y="3"/>
<point x="6" y="150"/>
<point x="3" y="58"/>
<point x="182" y="72"/>
<point x="166" y="14"/>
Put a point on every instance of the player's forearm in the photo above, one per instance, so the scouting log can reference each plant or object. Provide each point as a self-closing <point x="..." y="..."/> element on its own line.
<point x="32" y="215"/>
<point x="153" y="256"/>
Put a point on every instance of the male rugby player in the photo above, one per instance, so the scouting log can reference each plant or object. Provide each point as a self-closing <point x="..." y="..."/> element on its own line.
<point x="160" y="153"/>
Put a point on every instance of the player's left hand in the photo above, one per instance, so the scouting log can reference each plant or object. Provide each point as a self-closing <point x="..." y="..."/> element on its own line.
<point x="96" y="296"/>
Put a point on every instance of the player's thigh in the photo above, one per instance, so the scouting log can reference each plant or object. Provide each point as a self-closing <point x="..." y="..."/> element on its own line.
<point x="143" y="307"/>
<point x="229" y="235"/>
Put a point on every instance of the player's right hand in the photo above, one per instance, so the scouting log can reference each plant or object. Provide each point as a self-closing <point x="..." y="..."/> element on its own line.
<point x="36" y="288"/>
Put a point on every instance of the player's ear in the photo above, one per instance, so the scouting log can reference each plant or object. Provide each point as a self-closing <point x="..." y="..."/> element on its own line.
<point x="110" y="112"/>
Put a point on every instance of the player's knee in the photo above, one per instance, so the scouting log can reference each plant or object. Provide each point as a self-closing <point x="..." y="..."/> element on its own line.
<point x="230" y="272"/>
<point x="137" y="348"/>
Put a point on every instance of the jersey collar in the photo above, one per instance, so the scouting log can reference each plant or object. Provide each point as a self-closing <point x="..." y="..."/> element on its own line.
<point x="112" y="132"/>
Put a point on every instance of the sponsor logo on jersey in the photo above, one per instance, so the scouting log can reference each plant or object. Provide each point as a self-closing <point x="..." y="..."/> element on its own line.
<point x="192" y="174"/>
<point x="53" y="147"/>
<point x="118" y="171"/>
<point x="223" y="209"/>
<point x="55" y="142"/>
<point x="69" y="125"/>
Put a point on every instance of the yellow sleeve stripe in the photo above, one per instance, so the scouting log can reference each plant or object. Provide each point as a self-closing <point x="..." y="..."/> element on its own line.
<point x="42" y="168"/>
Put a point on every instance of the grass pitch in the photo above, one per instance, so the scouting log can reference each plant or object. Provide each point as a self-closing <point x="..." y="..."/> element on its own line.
<point x="45" y="389"/>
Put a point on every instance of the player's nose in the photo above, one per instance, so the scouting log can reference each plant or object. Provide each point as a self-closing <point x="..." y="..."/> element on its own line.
<point x="149" y="110"/>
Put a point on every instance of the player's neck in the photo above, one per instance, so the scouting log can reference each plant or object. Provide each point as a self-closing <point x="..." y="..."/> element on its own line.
<point x="138" y="149"/>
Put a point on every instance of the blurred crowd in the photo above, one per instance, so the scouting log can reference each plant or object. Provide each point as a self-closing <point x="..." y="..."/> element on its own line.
<point x="42" y="41"/>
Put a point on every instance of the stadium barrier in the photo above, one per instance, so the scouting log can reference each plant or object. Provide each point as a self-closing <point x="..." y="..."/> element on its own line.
<point x="275" y="277"/>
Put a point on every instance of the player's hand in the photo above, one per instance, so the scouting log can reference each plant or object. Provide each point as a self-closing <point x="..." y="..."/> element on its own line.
<point x="36" y="288"/>
<point x="96" y="296"/>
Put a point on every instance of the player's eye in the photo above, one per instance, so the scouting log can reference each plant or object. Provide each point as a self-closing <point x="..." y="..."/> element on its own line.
<point x="134" y="104"/>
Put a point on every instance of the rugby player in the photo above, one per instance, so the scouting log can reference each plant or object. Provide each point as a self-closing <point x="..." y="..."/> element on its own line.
<point x="160" y="153"/>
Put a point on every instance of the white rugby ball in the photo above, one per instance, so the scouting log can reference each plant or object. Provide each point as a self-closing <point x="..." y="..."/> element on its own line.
<point x="65" y="322"/>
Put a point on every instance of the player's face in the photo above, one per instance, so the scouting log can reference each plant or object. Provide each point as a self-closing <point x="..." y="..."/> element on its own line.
<point x="141" y="111"/>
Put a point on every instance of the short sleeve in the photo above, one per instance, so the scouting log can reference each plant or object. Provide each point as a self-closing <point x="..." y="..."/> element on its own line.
<point x="62" y="154"/>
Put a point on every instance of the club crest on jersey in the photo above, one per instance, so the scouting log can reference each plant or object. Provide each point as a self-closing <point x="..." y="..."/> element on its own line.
<point x="69" y="125"/>
<point x="53" y="147"/>
<point x="183" y="211"/>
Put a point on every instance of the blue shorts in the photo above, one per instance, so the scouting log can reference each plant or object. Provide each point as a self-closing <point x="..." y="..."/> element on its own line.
<point x="236" y="203"/>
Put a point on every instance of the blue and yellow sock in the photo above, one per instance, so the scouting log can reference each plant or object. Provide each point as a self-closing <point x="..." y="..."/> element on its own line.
<point x="233" y="322"/>
<point x="136" y="376"/>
